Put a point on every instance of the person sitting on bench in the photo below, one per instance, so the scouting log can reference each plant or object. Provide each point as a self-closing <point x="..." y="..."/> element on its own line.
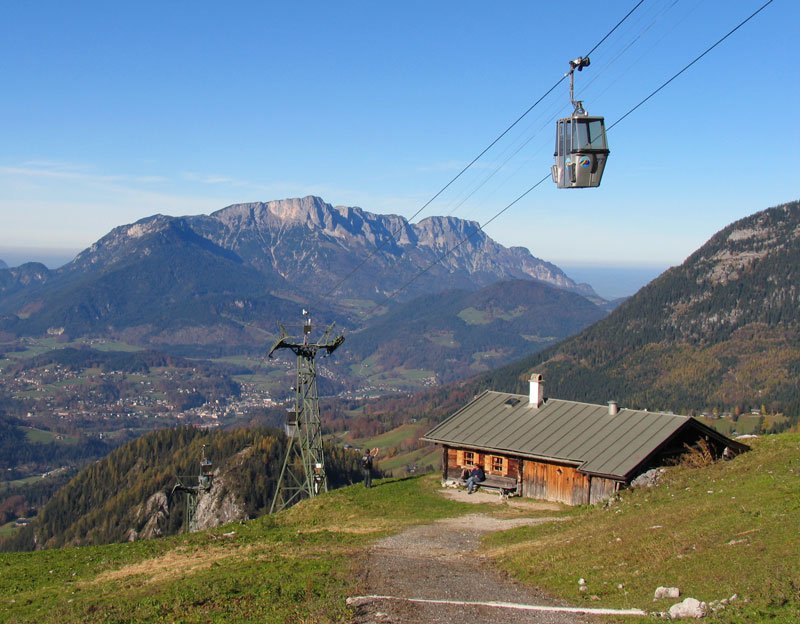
<point x="475" y="477"/>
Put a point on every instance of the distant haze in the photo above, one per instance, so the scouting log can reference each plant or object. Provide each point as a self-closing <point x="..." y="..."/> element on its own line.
<point x="51" y="258"/>
<point x="612" y="282"/>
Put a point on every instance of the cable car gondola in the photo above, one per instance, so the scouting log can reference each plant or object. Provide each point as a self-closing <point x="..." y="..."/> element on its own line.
<point x="581" y="146"/>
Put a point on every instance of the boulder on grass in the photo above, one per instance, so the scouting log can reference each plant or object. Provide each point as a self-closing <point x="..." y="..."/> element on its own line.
<point x="689" y="608"/>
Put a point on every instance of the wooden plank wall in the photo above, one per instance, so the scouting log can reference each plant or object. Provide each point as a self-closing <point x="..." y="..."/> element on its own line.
<point x="602" y="489"/>
<point x="554" y="482"/>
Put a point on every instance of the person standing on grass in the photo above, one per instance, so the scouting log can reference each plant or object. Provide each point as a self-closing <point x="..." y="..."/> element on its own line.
<point x="366" y="468"/>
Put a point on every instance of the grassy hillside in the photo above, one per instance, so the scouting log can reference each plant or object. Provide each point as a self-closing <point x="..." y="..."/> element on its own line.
<point x="731" y="528"/>
<point x="297" y="566"/>
<point x="712" y="532"/>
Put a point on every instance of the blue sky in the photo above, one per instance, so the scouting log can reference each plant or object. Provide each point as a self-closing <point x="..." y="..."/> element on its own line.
<point x="112" y="112"/>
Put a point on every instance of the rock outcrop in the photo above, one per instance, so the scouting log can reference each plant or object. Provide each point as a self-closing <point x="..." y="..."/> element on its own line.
<point x="218" y="506"/>
<point x="151" y="516"/>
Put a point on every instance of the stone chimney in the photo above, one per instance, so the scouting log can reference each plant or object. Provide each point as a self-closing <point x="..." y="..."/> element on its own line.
<point x="537" y="390"/>
<point x="613" y="408"/>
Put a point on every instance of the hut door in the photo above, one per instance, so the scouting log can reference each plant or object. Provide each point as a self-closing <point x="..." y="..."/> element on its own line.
<point x="534" y="480"/>
<point x="552" y="482"/>
<point x="561" y="479"/>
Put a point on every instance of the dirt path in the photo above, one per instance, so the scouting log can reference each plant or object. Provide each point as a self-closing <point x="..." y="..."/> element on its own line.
<point x="439" y="562"/>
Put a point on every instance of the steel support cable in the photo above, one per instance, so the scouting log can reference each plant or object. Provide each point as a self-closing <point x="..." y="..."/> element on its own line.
<point x="531" y="132"/>
<point x="644" y="54"/>
<point x="520" y="197"/>
<point x="619" y="23"/>
<point x="697" y="58"/>
<point x="608" y="64"/>
<point x="547" y="123"/>
<point x="413" y="279"/>
<point x="523" y="144"/>
<point x="443" y="189"/>
<point x="512" y="148"/>
<point x="479" y="156"/>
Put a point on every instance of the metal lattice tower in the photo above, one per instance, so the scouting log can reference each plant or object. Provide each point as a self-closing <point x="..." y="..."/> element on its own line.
<point x="192" y="491"/>
<point x="303" y="470"/>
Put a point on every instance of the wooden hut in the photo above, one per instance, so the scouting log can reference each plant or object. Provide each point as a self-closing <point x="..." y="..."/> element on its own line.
<point x="565" y="451"/>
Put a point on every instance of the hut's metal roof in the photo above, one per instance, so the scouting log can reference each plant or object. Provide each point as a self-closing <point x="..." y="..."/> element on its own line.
<point x="582" y="434"/>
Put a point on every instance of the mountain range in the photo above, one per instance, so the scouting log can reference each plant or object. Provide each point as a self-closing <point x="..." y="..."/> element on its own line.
<point x="722" y="330"/>
<point x="719" y="331"/>
<point x="222" y="280"/>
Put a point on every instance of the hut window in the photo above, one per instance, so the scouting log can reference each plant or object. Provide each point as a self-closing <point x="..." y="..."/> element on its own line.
<point x="498" y="464"/>
<point x="469" y="458"/>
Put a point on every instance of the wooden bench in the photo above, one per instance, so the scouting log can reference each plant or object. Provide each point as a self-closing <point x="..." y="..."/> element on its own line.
<point x="505" y="486"/>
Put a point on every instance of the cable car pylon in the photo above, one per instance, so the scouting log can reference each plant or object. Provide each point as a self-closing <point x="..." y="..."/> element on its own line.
<point x="303" y="470"/>
<point x="581" y="145"/>
<point x="203" y="481"/>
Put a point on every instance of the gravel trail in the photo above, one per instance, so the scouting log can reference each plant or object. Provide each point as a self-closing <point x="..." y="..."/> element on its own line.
<point x="438" y="561"/>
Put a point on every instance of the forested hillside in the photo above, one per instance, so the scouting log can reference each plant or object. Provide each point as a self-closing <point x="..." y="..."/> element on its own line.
<point x="19" y="454"/>
<point x="720" y="331"/>
<point x="128" y="494"/>
<point x="459" y="333"/>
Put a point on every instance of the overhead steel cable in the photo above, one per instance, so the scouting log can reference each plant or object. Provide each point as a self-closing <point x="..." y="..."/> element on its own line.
<point x="733" y="30"/>
<point x="478" y="157"/>
<point x="520" y="197"/>
<point x="608" y="34"/>
<point x="443" y="189"/>
<point x="450" y="251"/>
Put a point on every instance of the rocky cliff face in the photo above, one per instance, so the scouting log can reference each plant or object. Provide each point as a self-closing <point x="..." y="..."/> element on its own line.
<point x="311" y="245"/>
<point x="315" y="245"/>
<point x="151" y="516"/>
<point x="221" y="504"/>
